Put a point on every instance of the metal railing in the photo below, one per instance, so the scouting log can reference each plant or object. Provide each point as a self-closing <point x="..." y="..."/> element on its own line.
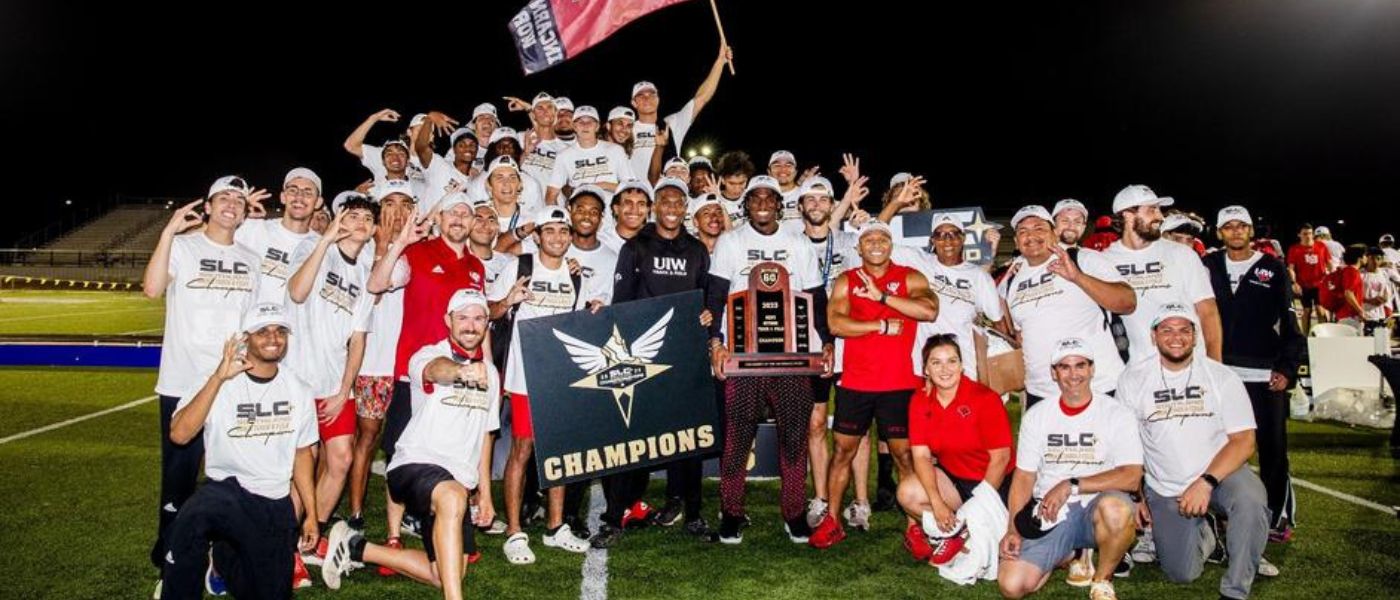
<point x="19" y="257"/>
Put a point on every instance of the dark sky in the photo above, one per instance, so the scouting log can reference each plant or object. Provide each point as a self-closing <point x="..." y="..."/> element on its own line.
<point x="1289" y="106"/>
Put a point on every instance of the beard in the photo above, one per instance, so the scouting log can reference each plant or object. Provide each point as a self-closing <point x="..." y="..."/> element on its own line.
<point x="1147" y="231"/>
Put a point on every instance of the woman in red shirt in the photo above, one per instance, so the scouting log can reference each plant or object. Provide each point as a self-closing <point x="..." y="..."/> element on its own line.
<point x="963" y="425"/>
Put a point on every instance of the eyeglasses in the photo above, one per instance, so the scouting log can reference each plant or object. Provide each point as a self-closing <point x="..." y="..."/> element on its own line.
<point x="301" y="192"/>
<point x="947" y="236"/>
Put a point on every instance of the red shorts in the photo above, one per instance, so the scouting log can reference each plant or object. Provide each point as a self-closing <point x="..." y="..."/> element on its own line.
<point x="344" y="423"/>
<point x="520" y="426"/>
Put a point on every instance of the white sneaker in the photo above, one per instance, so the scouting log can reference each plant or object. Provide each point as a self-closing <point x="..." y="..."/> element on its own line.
<point x="857" y="516"/>
<point x="816" y="509"/>
<point x="517" y="549"/>
<point x="1266" y="568"/>
<point x="1145" y="551"/>
<point x="337" y="561"/>
<point x="1081" y="570"/>
<point x="1102" y="590"/>
<point x="156" y="594"/>
<point x="564" y="539"/>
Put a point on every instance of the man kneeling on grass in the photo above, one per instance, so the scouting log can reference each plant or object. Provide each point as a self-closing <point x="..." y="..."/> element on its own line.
<point x="442" y="456"/>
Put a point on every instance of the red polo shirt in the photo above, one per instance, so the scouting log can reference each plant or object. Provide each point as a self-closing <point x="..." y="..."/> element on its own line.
<point x="435" y="272"/>
<point x="960" y="435"/>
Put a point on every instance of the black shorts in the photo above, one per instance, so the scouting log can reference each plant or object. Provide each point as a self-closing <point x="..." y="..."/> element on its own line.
<point x="965" y="486"/>
<point x="854" y="411"/>
<point x="821" y="388"/>
<point x="396" y="418"/>
<point x="412" y="486"/>
<point x="1308" y="297"/>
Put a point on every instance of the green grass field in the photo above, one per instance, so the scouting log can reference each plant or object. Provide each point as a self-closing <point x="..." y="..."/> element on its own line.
<point x="29" y="312"/>
<point x="77" y="512"/>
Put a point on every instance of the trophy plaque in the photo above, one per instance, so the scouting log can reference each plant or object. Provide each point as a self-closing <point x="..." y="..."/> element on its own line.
<point x="770" y="327"/>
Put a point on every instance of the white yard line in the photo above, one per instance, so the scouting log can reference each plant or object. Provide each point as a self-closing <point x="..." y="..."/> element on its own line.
<point x="595" y="562"/>
<point x="61" y="424"/>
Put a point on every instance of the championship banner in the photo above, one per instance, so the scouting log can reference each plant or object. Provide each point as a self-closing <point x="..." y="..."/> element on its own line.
<point x="912" y="229"/>
<point x="626" y="388"/>
<point x="548" y="32"/>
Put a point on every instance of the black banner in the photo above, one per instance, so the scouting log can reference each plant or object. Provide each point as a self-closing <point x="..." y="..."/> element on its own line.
<point x="626" y="388"/>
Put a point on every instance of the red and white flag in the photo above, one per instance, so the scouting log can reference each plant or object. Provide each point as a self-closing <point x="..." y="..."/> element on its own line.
<point x="548" y="32"/>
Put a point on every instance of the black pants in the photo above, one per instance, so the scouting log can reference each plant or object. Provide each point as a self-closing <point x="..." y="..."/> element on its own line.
<point x="622" y="490"/>
<point x="683" y="482"/>
<point x="253" y="540"/>
<point x="1271" y="436"/>
<point x="179" y="473"/>
<point x="396" y="418"/>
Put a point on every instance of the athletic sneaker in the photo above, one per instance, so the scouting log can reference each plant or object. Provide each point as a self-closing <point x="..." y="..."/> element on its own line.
<point x="670" y="514"/>
<point x="301" y="579"/>
<point x="1145" y="550"/>
<point x="638" y="516"/>
<point x="410" y="526"/>
<point x="1266" y="568"/>
<point x="338" y="557"/>
<point x="857" y="516"/>
<point x="396" y="544"/>
<point x="1213" y="540"/>
<point x="816" y="509"/>
<point x="1281" y="536"/>
<point x="700" y="529"/>
<point x="1102" y="590"/>
<point x="214" y="583"/>
<point x="827" y="533"/>
<point x="916" y="542"/>
<point x="607" y="536"/>
<point x="1081" y="570"/>
<point x="945" y="549"/>
<point x="1124" y="568"/>
<point x="731" y="529"/>
<point x="318" y="555"/>
<point x="563" y="538"/>
<point x="797" y="530"/>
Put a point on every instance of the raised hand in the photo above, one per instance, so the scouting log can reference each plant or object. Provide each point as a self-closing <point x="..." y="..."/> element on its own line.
<point x="850" y="167"/>
<point x="185" y="218"/>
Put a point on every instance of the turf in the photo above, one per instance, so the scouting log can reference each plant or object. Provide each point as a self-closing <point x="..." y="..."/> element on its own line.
<point x="79" y="312"/>
<point x="77" y="512"/>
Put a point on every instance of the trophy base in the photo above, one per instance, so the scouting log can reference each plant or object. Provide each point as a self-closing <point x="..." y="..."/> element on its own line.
<point x="769" y="364"/>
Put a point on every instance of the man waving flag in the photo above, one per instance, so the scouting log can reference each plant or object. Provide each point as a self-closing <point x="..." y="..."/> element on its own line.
<point x="548" y="32"/>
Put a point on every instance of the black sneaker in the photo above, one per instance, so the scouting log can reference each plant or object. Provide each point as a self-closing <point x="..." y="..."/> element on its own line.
<point x="798" y="530"/>
<point x="670" y="514"/>
<point x="1218" y="553"/>
<point x="1124" y="568"/>
<point x="410" y="526"/>
<point x="884" y="500"/>
<point x="700" y="529"/>
<point x="607" y="536"/>
<point x="731" y="529"/>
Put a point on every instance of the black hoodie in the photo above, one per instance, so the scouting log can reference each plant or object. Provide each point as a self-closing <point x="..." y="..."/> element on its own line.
<point x="649" y="265"/>
<point x="1260" y="330"/>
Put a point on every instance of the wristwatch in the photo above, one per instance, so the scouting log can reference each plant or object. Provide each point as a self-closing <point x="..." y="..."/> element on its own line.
<point x="1074" y="486"/>
<point x="1210" y="479"/>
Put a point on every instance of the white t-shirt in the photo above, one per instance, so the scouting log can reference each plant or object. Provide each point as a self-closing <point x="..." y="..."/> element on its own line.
<point x="597" y="268"/>
<point x="792" y="207"/>
<point x="449" y="423"/>
<point x="738" y="250"/>
<point x="1056" y="446"/>
<point x="338" y="306"/>
<point x="1375" y="285"/>
<point x="442" y="177"/>
<point x="554" y="294"/>
<point x="1335" y="248"/>
<point x="254" y="429"/>
<point x="610" y="239"/>
<point x="531" y="192"/>
<point x="373" y="159"/>
<point x="644" y="136"/>
<point x="211" y="287"/>
<point x="964" y="290"/>
<point x="381" y="347"/>
<point x="1186" y="417"/>
<point x="539" y="163"/>
<point x="498" y="262"/>
<point x="276" y="245"/>
<point x="1236" y="270"/>
<point x="734" y="209"/>
<point x="1048" y="309"/>
<point x="605" y="162"/>
<point x="1160" y="273"/>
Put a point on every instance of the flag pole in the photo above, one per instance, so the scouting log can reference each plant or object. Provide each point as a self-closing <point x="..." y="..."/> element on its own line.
<point x="715" y="9"/>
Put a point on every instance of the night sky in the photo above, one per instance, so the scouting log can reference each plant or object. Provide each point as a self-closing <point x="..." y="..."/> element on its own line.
<point x="1289" y="107"/>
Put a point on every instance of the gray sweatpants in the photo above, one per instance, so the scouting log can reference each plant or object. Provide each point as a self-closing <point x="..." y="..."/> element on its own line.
<point x="1242" y="500"/>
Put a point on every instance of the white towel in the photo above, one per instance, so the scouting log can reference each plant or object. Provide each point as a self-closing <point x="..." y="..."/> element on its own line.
<point x="986" y="519"/>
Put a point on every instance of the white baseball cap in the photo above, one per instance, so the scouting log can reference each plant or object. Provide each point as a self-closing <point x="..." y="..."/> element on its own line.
<point x="1069" y="204"/>
<point x="263" y="314"/>
<point x="502" y="162"/>
<point x="552" y="214"/>
<point x="395" y="142"/>
<point x="541" y="98"/>
<point x="621" y="112"/>
<point x="900" y="178"/>
<point x="1034" y="210"/>
<point x="486" y="108"/>
<point x="590" y="190"/>
<point x="816" y="185"/>
<point x="417" y="119"/>
<point x="392" y="186"/>
<point x="229" y="183"/>
<point x="675" y="161"/>
<point x="782" y="156"/>
<point x="501" y="133"/>
<point x="1177" y="221"/>
<point x="941" y="219"/>
<point x="1387" y="239"/>
<point x="1173" y="310"/>
<point x="634" y="184"/>
<point x="1232" y="213"/>
<point x="642" y="86"/>
<point x="343" y="197"/>
<point x="762" y="181"/>
<point x="460" y="133"/>
<point x="1322" y="230"/>
<point x="1068" y="347"/>
<point x="1137" y="195"/>
<point x="586" y="112"/>
<point x="563" y="103"/>
<point x="484" y="203"/>
<point x="700" y="203"/>
<point x="672" y="182"/>
<point x="875" y="226"/>
<point x="303" y="173"/>
<point x="465" y="298"/>
<point x="702" y="161"/>
<point x="454" y="199"/>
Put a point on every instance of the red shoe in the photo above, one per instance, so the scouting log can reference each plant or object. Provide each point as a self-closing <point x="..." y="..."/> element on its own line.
<point x="396" y="544"/>
<point x="944" y="549"/>
<point x="300" y="578"/>
<point x="917" y="543"/>
<point x="827" y="533"/>
<point x="473" y="557"/>
<point x="318" y="557"/>
<point x="639" y="515"/>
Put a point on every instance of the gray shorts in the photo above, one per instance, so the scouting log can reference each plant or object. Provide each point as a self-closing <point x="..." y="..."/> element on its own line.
<point x="1076" y="532"/>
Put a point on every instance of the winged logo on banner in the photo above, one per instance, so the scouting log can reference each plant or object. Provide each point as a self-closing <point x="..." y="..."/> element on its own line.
<point x="617" y="366"/>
